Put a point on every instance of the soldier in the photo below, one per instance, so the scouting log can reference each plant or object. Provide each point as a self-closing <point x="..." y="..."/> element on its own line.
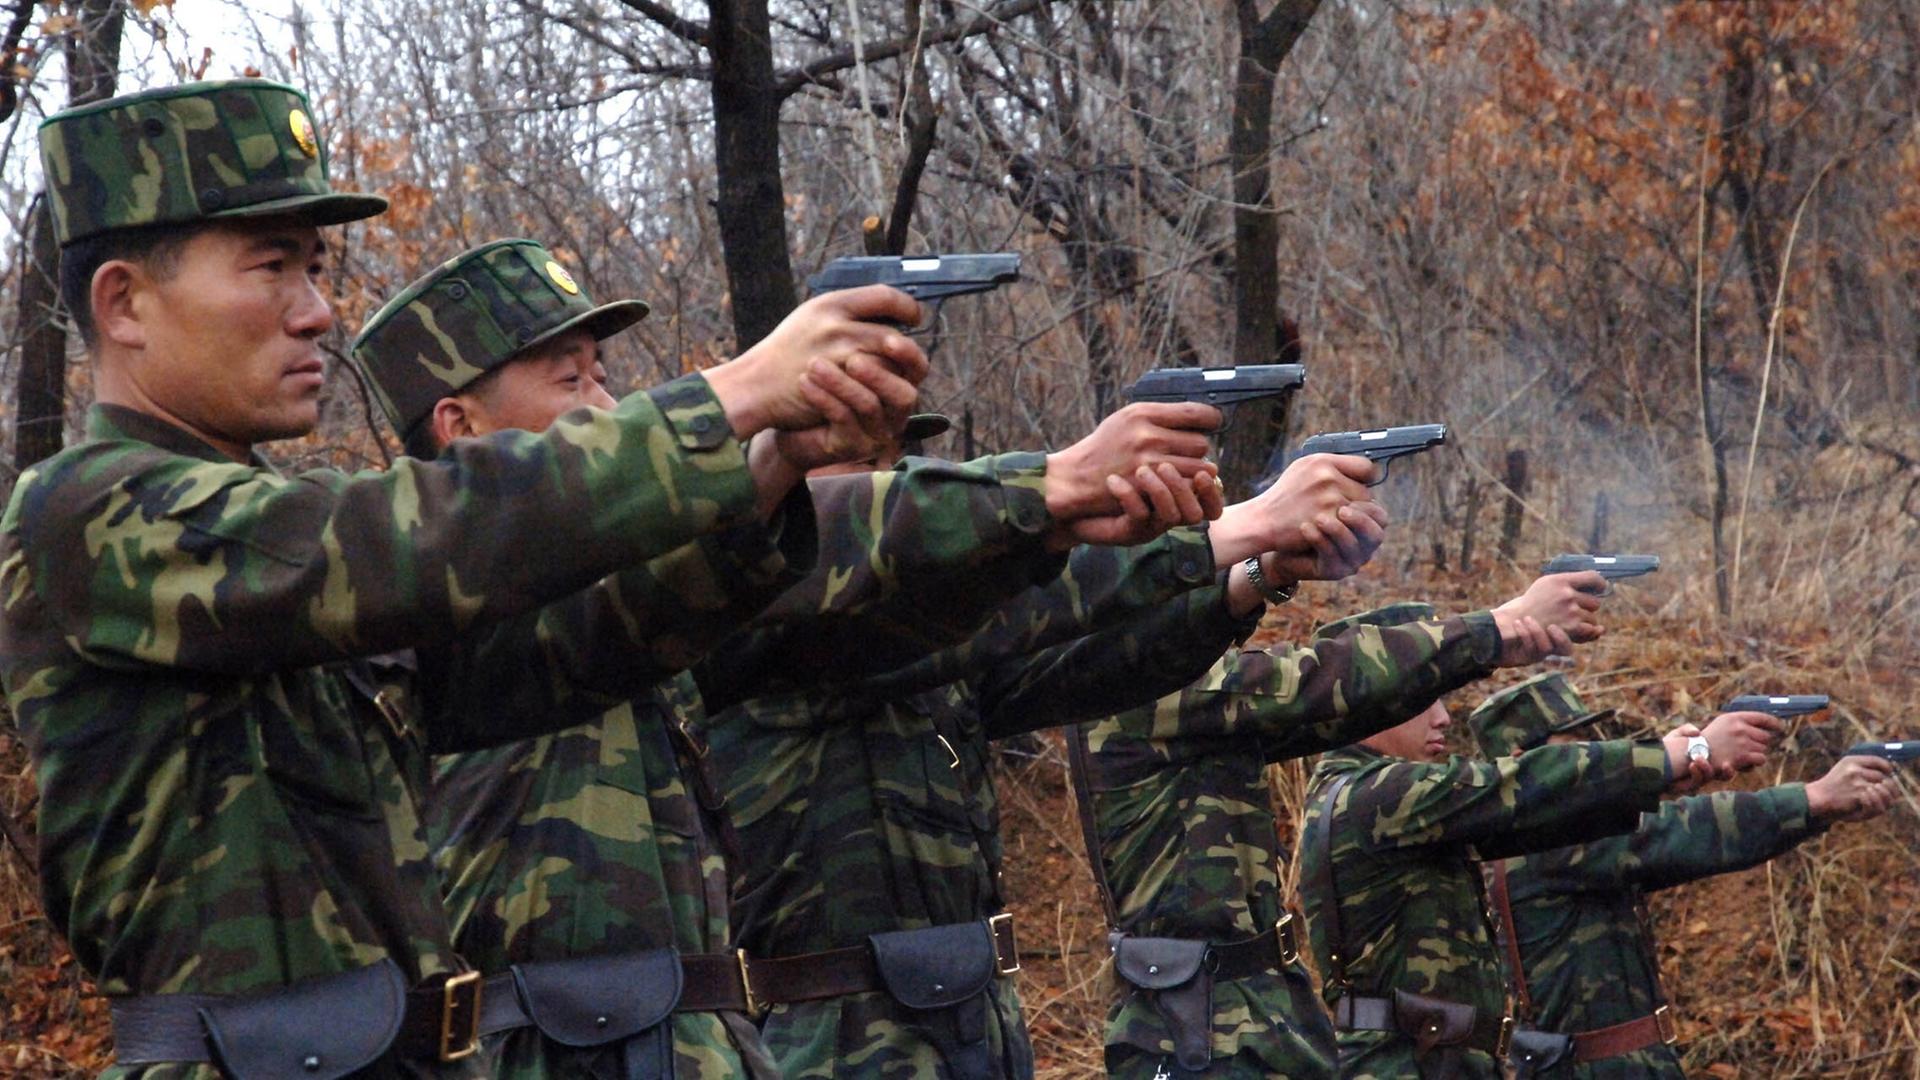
<point x="1392" y="894"/>
<point x="1183" y="840"/>
<point x="1575" y="919"/>
<point x="868" y="889"/>
<point x="575" y="861"/>
<point x="194" y="644"/>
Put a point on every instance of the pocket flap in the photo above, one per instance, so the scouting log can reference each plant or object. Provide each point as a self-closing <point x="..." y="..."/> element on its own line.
<point x="936" y="967"/>
<point x="1432" y="1022"/>
<point x="593" y="1000"/>
<point x="1157" y="963"/>
<point x="322" y="1028"/>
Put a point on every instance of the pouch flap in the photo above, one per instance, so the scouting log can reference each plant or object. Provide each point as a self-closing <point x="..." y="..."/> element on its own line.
<point x="594" y="1000"/>
<point x="1157" y="963"/>
<point x="316" y="1029"/>
<point x="1534" y="1052"/>
<point x="1432" y="1022"/>
<point x="937" y="967"/>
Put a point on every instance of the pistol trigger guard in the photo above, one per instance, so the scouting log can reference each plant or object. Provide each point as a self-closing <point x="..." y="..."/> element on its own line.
<point x="1383" y="462"/>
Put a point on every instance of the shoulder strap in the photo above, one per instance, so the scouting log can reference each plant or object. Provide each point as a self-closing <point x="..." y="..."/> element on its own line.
<point x="1325" y="884"/>
<point x="1508" y="932"/>
<point x="1644" y="917"/>
<point x="1078" y="766"/>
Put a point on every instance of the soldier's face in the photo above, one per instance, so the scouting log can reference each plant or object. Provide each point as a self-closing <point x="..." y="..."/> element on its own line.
<point x="530" y="392"/>
<point x="1422" y="737"/>
<point x="227" y="345"/>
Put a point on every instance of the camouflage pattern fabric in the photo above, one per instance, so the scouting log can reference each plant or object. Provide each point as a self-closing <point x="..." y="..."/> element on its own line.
<point x="1589" y="955"/>
<point x="1403" y="837"/>
<point x="469" y="315"/>
<point x="1527" y="714"/>
<point x="1186" y="832"/>
<point x="186" y="619"/>
<point x="873" y="809"/>
<point x="595" y="839"/>
<point x="199" y="151"/>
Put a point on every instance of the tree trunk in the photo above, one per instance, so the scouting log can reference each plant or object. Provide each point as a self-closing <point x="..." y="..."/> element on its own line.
<point x="751" y="202"/>
<point x="41" y="392"/>
<point x="1265" y="41"/>
<point x="1515" y="512"/>
<point x="93" y="65"/>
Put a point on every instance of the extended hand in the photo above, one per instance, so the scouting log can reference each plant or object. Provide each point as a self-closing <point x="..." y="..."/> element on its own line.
<point x="1080" y="478"/>
<point x="1560" y="601"/>
<point x="837" y="360"/>
<point x="1301" y="508"/>
<point x="1739" y="741"/>
<point x="1858" y="787"/>
<point x="1154" y="500"/>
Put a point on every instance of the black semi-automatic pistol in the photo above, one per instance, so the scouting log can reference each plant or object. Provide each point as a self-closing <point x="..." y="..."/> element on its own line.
<point x="1892" y="751"/>
<point x="932" y="279"/>
<point x="1780" y="705"/>
<point x="1382" y="445"/>
<point x="1611" y="567"/>
<point x="1220" y="386"/>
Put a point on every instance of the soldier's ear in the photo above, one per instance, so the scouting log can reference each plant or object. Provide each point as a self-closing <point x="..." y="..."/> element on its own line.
<point x="122" y="296"/>
<point x="453" y="418"/>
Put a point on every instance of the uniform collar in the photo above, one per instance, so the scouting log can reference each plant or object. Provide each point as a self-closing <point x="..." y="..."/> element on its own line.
<point x="109" y="422"/>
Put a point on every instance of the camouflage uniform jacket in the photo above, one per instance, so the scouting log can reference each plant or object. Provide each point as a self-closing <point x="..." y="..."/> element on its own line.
<point x="1185" y="829"/>
<point x="1404" y="837"/>
<point x="595" y="839"/>
<point x="872" y="809"/>
<point x="189" y="620"/>
<point x="1589" y="956"/>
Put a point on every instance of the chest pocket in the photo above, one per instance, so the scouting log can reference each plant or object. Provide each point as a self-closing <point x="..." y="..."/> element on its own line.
<point x="318" y="743"/>
<point x="929" y="764"/>
<point x="634" y="757"/>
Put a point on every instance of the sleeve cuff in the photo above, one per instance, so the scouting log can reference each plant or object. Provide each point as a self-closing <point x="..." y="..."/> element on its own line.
<point x="1023" y="486"/>
<point x="698" y="421"/>
<point x="1788" y="805"/>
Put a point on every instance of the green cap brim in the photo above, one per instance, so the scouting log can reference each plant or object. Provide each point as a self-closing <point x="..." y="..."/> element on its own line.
<point x="1579" y="722"/>
<point x="925" y="426"/>
<point x="336" y="208"/>
<point x="602" y="322"/>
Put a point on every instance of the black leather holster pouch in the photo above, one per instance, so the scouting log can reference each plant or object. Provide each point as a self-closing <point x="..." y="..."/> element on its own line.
<point x="1532" y="1053"/>
<point x="622" y="1001"/>
<point x="942" y="974"/>
<point x="1174" y="972"/>
<point x="322" y="1028"/>
<point x="1439" y="1030"/>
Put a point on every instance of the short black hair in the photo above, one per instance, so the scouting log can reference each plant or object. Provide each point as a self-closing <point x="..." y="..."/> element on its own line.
<point x="155" y="246"/>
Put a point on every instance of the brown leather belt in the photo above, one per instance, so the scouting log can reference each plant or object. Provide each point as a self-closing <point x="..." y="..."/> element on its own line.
<point x="1354" y="1012"/>
<point x="444" y="1021"/>
<point x="1656" y="1028"/>
<point x="1256" y="955"/>
<point x="835" y="973"/>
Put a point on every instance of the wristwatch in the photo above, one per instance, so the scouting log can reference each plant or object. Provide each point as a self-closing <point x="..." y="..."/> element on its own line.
<point x="1697" y="748"/>
<point x="1260" y="585"/>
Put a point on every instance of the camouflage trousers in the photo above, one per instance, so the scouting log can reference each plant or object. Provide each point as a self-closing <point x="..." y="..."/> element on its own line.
<point x="873" y="1036"/>
<point x="1388" y="1055"/>
<point x="1265" y="1025"/>
<point x="706" y="1046"/>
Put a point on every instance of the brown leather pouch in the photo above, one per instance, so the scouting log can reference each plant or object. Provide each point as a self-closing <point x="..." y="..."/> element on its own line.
<point x="1174" y="971"/>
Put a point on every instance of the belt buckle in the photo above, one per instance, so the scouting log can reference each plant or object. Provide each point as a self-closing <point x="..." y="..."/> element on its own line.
<point x="755" y="1007"/>
<point x="1663" y="1023"/>
<point x="1505" y="1041"/>
<point x="451" y="1002"/>
<point x="1011" y="954"/>
<point x="389" y="710"/>
<point x="1289" y="945"/>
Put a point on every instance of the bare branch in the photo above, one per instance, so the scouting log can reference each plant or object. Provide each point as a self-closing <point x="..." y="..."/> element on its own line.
<point x="792" y="80"/>
<point x="685" y="29"/>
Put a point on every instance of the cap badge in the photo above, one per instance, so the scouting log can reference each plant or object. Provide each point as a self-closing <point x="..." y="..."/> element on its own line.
<point x="303" y="132"/>
<point x="563" y="279"/>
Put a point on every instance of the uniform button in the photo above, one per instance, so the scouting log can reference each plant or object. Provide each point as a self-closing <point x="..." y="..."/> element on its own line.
<point x="1189" y="568"/>
<point x="154" y="128"/>
<point x="457" y="291"/>
<point x="601" y="1021"/>
<point x="213" y="198"/>
<point x="523" y="335"/>
<point x="939" y="987"/>
<point x="311" y="1063"/>
<point x="1153" y="969"/>
<point x="701" y="424"/>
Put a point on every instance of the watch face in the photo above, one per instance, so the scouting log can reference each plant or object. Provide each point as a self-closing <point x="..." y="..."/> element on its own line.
<point x="1697" y="749"/>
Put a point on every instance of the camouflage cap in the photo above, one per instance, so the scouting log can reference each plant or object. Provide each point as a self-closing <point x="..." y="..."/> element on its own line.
<point x="1405" y="611"/>
<point x="199" y="151"/>
<point x="1523" y="716"/>
<point x="469" y="315"/>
